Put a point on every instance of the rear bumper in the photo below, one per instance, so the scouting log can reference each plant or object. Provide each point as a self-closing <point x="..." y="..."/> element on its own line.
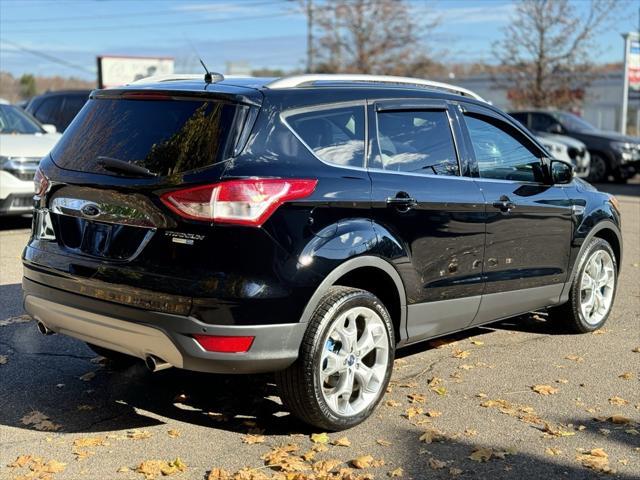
<point x="140" y="332"/>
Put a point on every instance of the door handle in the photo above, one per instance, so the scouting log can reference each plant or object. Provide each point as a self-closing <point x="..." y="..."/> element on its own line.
<point x="402" y="201"/>
<point x="504" y="204"/>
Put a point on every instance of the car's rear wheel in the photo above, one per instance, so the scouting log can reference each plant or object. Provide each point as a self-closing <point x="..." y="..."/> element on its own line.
<point x="115" y="359"/>
<point x="345" y="361"/>
<point x="592" y="291"/>
<point x="599" y="170"/>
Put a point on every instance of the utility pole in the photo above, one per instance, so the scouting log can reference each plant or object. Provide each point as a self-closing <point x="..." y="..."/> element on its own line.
<point x="309" y="36"/>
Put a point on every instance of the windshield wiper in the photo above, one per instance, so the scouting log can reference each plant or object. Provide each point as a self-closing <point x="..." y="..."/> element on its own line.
<point x="122" y="166"/>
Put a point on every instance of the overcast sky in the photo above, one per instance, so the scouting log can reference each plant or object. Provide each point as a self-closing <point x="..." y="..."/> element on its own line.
<point x="264" y="33"/>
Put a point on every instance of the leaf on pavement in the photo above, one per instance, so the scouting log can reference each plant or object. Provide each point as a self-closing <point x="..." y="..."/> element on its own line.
<point x="320" y="437"/>
<point x="342" y="442"/>
<point x="383" y="442"/>
<point x="392" y="403"/>
<point x="461" y="353"/>
<point x="3" y="359"/>
<point x="253" y="439"/>
<point x="544" y="389"/>
<point x="440" y="390"/>
<point x="556" y="431"/>
<point x="40" y="421"/>
<point x="16" y="319"/>
<point x="173" y="433"/>
<point x="87" y="377"/>
<point x="398" y="472"/>
<point x="432" y="435"/>
<point x="596" y="459"/>
<point x="88" y="442"/>
<point x="20" y="462"/>
<point x="636" y="350"/>
<point x="218" y="474"/>
<point x="477" y="342"/>
<point x="575" y="358"/>
<point x="323" y="467"/>
<point x="138" y="434"/>
<point x="552" y="451"/>
<point x="432" y="413"/>
<point x="626" y="375"/>
<point x="619" y="419"/>
<point x="153" y="468"/>
<point x="436" y="464"/>
<point x="483" y="454"/>
<point x="364" y="461"/>
<point x="416" y="398"/>
<point x="412" y="412"/>
<point x="618" y="401"/>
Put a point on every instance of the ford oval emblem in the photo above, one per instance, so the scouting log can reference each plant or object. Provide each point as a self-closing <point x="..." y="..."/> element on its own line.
<point x="90" y="210"/>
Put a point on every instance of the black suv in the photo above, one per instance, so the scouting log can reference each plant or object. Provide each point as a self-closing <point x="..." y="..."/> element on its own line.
<point x="307" y="226"/>
<point x="612" y="154"/>
<point x="57" y="108"/>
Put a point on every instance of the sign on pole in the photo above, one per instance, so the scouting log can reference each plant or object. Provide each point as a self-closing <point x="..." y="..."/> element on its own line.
<point x="116" y="70"/>
<point x="631" y="74"/>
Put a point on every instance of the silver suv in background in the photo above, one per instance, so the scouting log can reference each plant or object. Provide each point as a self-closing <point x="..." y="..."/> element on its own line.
<point x="569" y="150"/>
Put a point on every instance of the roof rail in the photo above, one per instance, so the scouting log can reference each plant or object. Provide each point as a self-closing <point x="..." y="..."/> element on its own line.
<point x="171" y="77"/>
<point x="301" y="80"/>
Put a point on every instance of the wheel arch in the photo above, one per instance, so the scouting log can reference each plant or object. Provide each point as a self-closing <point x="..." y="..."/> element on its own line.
<point x="605" y="229"/>
<point x="373" y="274"/>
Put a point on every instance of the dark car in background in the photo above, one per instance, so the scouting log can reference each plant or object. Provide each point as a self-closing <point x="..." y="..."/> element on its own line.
<point x="57" y="108"/>
<point x="307" y="226"/>
<point x="612" y="154"/>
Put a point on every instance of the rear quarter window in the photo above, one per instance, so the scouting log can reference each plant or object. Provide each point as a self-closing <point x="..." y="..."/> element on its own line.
<point x="335" y="135"/>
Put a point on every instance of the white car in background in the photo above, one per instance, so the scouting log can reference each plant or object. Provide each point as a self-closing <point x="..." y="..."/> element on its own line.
<point x="568" y="149"/>
<point x="23" y="142"/>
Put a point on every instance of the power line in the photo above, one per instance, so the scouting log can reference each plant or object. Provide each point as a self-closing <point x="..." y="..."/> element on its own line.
<point x="46" y="56"/>
<point x="133" y="14"/>
<point x="149" y="25"/>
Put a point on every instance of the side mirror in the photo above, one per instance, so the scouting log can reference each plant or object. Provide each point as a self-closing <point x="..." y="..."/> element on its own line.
<point x="49" y="128"/>
<point x="555" y="128"/>
<point x="561" y="172"/>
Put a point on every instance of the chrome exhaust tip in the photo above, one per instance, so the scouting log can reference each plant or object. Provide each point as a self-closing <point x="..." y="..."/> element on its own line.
<point x="43" y="329"/>
<point x="155" y="364"/>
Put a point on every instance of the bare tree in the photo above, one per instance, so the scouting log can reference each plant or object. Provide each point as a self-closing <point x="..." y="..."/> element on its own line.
<point x="547" y="49"/>
<point x="369" y="36"/>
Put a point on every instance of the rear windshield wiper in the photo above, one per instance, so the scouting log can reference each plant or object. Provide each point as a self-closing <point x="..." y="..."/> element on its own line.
<point x="122" y="166"/>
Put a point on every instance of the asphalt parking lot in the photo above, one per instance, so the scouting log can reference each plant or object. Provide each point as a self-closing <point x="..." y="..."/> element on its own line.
<point x="460" y="408"/>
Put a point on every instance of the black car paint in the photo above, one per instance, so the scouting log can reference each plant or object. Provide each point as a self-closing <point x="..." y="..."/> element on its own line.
<point x="271" y="275"/>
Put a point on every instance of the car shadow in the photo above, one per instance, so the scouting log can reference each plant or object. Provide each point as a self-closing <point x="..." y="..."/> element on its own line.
<point x="15" y="222"/>
<point x="625" y="189"/>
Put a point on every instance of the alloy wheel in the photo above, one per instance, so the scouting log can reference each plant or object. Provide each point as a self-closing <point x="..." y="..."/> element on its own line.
<point x="597" y="287"/>
<point x="354" y="361"/>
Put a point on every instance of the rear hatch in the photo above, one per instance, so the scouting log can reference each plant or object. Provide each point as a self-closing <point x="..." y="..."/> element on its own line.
<point x="102" y="230"/>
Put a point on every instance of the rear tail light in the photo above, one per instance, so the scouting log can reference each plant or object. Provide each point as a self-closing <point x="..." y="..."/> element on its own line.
<point x="224" y="344"/>
<point x="244" y="202"/>
<point x="40" y="182"/>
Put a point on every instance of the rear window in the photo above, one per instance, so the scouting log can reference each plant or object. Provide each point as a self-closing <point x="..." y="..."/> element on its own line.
<point x="163" y="136"/>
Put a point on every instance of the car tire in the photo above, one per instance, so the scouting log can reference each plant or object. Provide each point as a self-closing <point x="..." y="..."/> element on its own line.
<point x="115" y="359"/>
<point x="590" y="299"/>
<point x="324" y="387"/>
<point x="599" y="169"/>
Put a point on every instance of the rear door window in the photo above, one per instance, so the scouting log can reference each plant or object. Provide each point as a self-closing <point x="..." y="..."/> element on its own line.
<point x="49" y="110"/>
<point x="71" y="107"/>
<point x="164" y="136"/>
<point x="416" y="142"/>
<point x="335" y="135"/>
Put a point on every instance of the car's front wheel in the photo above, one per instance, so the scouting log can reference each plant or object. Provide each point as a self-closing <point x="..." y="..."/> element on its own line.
<point x="599" y="170"/>
<point x="592" y="291"/>
<point x="345" y="361"/>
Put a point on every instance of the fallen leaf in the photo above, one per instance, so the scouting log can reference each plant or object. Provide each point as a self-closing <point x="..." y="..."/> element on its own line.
<point x="416" y="398"/>
<point x="87" y="376"/>
<point x="392" y="403"/>
<point x="552" y="451"/>
<point x="326" y="466"/>
<point x="436" y="464"/>
<point x="454" y="472"/>
<point x="319" y="437"/>
<point x="432" y="435"/>
<point x="40" y="421"/>
<point x="636" y="350"/>
<point x="481" y="454"/>
<point x="618" y="401"/>
<point x="253" y="439"/>
<point x="619" y="419"/>
<point x="152" y="468"/>
<point x="173" y="433"/>
<point x="556" y="431"/>
<point x="544" y="389"/>
<point x="362" y="462"/>
<point x="461" y="353"/>
<point x="20" y="462"/>
<point x="123" y="470"/>
<point x="574" y="358"/>
<point x="3" y="359"/>
<point x="440" y="390"/>
<point x="218" y="474"/>
<point x="398" y="472"/>
<point x="412" y="412"/>
<point x="88" y="442"/>
<point x="383" y="442"/>
<point x="342" y="442"/>
<point x="138" y="434"/>
<point x="17" y="319"/>
<point x="432" y="413"/>
<point x="477" y="342"/>
<point x="596" y="459"/>
<point x="626" y="375"/>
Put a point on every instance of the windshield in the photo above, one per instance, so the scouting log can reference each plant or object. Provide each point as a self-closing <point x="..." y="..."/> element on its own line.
<point x="573" y="123"/>
<point x="14" y="120"/>
<point x="163" y="136"/>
